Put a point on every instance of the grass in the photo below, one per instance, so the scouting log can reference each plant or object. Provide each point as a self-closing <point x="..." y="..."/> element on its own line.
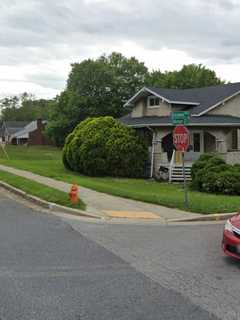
<point x="46" y="161"/>
<point x="39" y="190"/>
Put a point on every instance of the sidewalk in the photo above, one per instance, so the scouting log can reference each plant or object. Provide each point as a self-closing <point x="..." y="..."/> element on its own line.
<point x="108" y="206"/>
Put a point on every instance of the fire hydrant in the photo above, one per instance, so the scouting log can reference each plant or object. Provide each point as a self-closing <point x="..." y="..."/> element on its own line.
<point x="73" y="194"/>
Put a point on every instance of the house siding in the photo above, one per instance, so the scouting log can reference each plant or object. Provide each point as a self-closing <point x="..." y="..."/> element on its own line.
<point x="141" y="109"/>
<point x="230" y="107"/>
<point x="232" y="157"/>
<point x="138" y="110"/>
<point x="37" y="137"/>
<point x="162" y="110"/>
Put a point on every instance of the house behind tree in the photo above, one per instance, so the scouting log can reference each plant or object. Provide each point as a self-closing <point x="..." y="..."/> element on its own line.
<point x="24" y="132"/>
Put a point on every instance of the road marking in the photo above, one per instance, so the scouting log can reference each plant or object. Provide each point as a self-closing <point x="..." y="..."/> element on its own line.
<point x="132" y="214"/>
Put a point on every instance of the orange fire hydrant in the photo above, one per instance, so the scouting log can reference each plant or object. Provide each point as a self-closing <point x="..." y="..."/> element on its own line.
<point x="73" y="194"/>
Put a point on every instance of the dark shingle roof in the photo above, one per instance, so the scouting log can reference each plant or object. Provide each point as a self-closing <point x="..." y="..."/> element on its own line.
<point x="204" y="97"/>
<point x="16" y="124"/>
<point x="216" y="120"/>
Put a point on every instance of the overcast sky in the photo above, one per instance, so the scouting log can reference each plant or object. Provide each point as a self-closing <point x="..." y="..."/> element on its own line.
<point x="39" y="39"/>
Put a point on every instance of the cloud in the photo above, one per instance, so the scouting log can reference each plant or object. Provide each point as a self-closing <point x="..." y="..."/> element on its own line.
<point x="50" y="34"/>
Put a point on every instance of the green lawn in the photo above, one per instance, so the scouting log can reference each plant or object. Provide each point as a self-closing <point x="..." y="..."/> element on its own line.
<point x="46" y="161"/>
<point x="39" y="190"/>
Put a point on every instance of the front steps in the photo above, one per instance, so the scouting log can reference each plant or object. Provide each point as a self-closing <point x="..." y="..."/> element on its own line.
<point x="177" y="173"/>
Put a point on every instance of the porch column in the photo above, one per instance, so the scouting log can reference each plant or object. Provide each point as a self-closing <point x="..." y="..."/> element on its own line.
<point x="238" y="137"/>
<point x="221" y="140"/>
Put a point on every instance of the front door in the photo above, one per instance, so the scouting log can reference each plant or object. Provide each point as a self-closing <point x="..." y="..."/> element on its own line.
<point x="167" y="145"/>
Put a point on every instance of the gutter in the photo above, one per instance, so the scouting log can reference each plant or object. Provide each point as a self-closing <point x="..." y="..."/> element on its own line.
<point x="189" y="125"/>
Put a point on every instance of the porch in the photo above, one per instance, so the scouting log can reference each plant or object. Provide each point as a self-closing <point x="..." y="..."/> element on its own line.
<point x="224" y="141"/>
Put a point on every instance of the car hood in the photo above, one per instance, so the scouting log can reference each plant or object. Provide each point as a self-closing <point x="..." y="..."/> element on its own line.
<point x="235" y="221"/>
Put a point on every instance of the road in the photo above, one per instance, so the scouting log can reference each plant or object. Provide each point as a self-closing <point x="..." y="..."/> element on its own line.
<point x="67" y="269"/>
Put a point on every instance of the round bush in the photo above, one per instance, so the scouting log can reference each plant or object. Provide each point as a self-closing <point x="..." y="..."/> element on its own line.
<point x="224" y="182"/>
<point x="212" y="174"/>
<point x="105" y="147"/>
<point x="202" y="166"/>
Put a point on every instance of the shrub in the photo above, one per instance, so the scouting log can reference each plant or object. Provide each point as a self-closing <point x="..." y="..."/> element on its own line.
<point x="225" y="182"/>
<point x="103" y="146"/>
<point x="212" y="174"/>
<point x="205" y="163"/>
<point x="200" y="164"/>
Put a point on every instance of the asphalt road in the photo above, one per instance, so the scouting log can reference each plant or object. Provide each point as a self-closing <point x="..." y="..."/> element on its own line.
<point x="55" y="269"/>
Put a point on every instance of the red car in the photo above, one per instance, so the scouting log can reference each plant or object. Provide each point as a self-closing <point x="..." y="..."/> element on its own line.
<point x="231" y="237"/>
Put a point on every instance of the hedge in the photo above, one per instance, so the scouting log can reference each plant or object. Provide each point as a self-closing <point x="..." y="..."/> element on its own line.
<point x="211" y="174"/>
<point x="105" y="147"/>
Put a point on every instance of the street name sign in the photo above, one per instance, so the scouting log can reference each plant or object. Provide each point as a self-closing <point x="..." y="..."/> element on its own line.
<point x="180" y="117"/>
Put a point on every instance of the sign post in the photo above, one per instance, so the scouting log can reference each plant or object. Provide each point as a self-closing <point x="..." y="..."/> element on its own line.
<point x="181" y="139"/>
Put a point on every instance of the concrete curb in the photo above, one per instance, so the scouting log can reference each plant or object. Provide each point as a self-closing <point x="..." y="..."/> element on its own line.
<point x="45" y="204"/>
<point x="206" y="217"/>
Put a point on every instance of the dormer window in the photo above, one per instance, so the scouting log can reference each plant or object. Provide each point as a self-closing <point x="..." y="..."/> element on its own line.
<point x="153" y="102"/>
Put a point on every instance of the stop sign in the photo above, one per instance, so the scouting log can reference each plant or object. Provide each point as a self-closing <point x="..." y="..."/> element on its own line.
<point x="181" y="138"/>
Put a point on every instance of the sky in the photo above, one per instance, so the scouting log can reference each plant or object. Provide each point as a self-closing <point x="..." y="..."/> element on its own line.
<point x="39" y="39"/>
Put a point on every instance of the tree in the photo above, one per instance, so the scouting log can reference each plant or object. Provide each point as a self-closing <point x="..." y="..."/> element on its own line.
<point x="24" y="107"/>
<point x="103" y="146"/>
<point x="190" y="76"/>
<point x="95" y="88"/>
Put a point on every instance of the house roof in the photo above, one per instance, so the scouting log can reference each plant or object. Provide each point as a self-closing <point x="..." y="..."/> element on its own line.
<point x="13" y="126"/>
<point x="201" y="100"/>
<point x="208" y="120"/>
<point x="16" y="124"/>
<point x="24" y="132"/>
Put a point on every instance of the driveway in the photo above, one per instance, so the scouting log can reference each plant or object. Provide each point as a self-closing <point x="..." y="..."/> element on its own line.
<point x="67" y="269"/>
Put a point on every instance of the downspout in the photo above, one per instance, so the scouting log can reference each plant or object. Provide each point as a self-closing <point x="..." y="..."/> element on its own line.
<point x="153" y="151"/>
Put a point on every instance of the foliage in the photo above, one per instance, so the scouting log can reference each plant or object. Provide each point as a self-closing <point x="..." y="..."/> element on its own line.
<point x="103" y="146"/>
<point x="24" y="108"/>
<point x="211" y="174"/>
<point x="101" y="87"/>
<point x="190" y="76"/>
<point x="95" y="88"/>
<point x="224" y="181"/>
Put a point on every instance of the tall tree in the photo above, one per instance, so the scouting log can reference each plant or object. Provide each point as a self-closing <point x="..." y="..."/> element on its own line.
<point x="95" y="88"/>
<point x="24" y="107"/>
<point x="190" y="76"/>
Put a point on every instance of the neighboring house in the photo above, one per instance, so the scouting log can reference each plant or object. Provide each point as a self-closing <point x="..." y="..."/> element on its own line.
<point x="214" y="123"/>
<point x="8" y="128"/>
<point x="22" y="132"/>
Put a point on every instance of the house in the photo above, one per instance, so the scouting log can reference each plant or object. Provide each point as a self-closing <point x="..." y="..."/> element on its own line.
<point x="9" y="128"/>
<point x="22" y="132"/>
<point x="214" y="124"/>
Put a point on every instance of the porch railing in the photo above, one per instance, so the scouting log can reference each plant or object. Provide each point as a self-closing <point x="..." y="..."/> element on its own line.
<point x="171" y="165"/>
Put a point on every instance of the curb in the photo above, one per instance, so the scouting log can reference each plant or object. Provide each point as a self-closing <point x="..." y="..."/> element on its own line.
<point x="45" y="204"/>
<point x="209" y="217"/>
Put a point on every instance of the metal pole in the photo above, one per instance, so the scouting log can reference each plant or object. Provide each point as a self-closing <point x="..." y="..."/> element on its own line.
<point x="186" y="202"/>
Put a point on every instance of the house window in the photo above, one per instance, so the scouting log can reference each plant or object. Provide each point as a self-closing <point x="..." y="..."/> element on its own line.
<point x="153" y="102"/>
